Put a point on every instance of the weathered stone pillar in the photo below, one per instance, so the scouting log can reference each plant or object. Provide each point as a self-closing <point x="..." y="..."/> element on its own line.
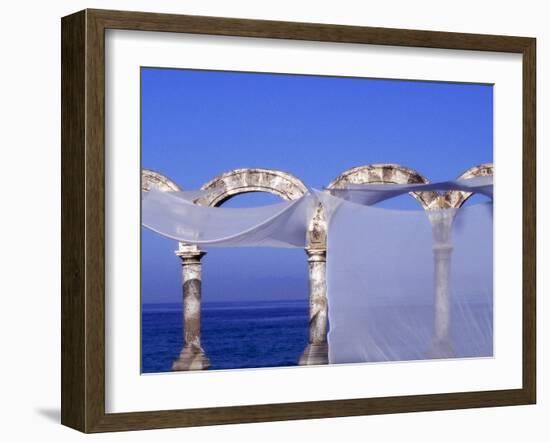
<point x="316" y="352"/>
<point x="442" y="303"/>
<point x="192" y="356"/>
<point x="442" y="224"/>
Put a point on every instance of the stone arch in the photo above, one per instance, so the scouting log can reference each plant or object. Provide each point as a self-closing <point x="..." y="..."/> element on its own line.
<point x="279" y="183"/>
<point x="238" y="181"/>
<point x="456" y="198"/>
<point x="386" y="174"/>
<point x="154" y="180"/>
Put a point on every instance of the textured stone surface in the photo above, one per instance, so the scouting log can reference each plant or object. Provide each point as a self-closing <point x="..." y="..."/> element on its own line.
<point x="442" y="226"/>
<point x="151" y="179"/>
<point x="315" y="354"/>
<point x="276" y="182"/>
<point x="385" y="174"/>
<point x="192" y="356"/>
<point x="316" y="351"/>
<point x="240" y="181"/>
<point x="317" y="231"/>
<point x="455" y="198"/>
<point x="317" y="262"/>
<point x="441" y="347"/>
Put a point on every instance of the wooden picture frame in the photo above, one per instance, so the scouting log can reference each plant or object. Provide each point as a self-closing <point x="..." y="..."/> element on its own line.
<point x="83" y="220"/>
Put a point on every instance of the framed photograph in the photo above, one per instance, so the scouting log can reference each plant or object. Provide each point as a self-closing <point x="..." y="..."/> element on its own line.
<point x="268" y="220"/>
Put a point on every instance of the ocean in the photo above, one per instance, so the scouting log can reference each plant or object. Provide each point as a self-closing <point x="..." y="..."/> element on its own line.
<point x="234" y="334"/>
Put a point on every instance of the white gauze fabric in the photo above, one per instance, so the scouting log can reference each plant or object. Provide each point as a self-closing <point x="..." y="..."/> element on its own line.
<point x="408" y="284"/>
<point x="173" y="214"/>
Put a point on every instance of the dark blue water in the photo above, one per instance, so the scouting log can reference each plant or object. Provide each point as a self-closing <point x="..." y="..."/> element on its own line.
<point x="234" y="334"/>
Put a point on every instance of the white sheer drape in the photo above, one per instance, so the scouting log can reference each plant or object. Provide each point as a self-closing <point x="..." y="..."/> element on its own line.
<point x="382" y="285"/>
<point x="172" y="214"/>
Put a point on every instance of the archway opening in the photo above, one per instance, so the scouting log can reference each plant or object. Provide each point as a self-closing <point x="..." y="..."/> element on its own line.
<point x="254" y="301"/>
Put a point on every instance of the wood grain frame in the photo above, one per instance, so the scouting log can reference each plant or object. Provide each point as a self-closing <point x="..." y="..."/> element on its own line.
<point x="83" y="220"/>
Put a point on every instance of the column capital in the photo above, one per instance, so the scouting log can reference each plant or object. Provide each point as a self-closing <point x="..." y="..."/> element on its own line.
<point x="189" y="253"/>
<point x="316" y="254"/>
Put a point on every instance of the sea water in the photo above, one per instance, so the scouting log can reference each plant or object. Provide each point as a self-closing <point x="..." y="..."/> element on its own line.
<point x="234" y="334"/>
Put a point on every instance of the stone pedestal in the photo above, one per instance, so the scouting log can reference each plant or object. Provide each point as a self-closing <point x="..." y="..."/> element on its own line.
<point x="192" y="356"/>
<point x="316" y="352"/>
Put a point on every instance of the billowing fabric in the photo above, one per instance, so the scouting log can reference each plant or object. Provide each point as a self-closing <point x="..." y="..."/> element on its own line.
<point x="173" y="214"/>
<point x="401" y="284"/>
<point x="383" y="283"/>
<point x="370" y="194"/>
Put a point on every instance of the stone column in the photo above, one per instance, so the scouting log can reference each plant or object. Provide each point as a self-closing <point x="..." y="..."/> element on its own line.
<point x="192" y="356"/>
<point x="442" y="224"/>
<point x="316" y="352"/>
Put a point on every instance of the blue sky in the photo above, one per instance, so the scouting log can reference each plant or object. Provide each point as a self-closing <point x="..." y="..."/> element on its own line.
<point x="198" y="124"/>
